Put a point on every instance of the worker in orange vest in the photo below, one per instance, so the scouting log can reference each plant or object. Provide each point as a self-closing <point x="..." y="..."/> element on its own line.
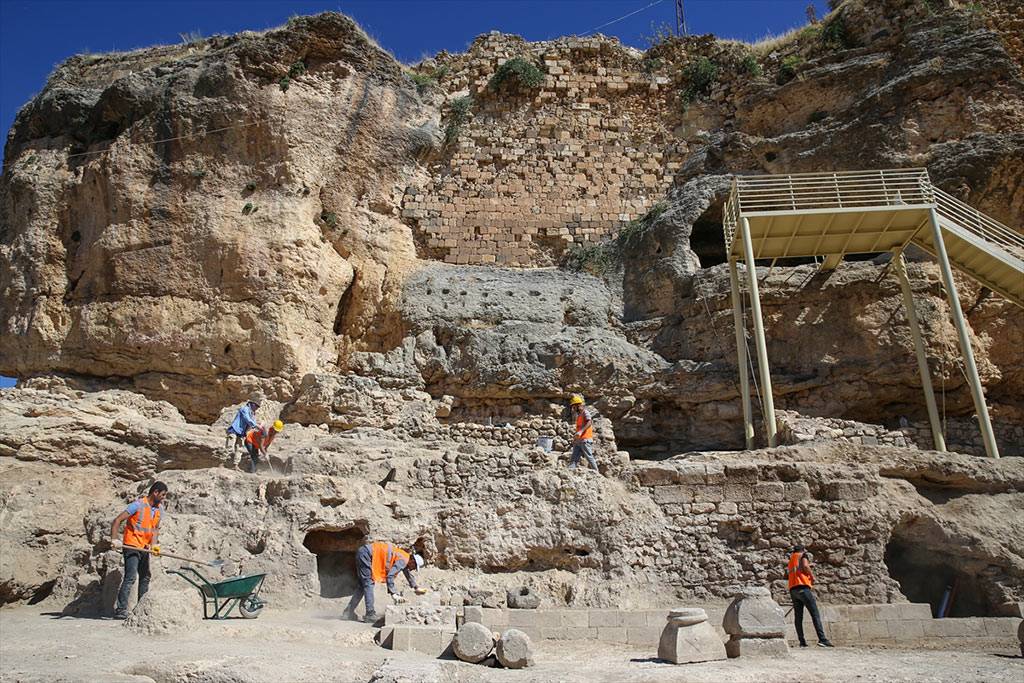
<point x="380" y="563"/>
<point x="800" y="580"/>
<point x="583" y="441"/>
<point x="142" y="531"/>
<point x="258" y="440"/>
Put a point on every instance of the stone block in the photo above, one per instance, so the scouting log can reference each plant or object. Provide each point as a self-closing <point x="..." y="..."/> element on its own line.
<point x="756" y="647"/>
<point x="737" y="493"/>
<point x="914" y="610"/>
<point x="714" y="473"/>
<point x="754" y="614"/>
<point x="576" y="618"/>
<point x="656" y="618"/>
<point x="534" y="618"/>
<point x="494" y="618"/>
<point x="428" y="640"/>
<point x="645" y="636"/>
<point x="566" y="633"/>
<point x="664" y="495"/>
<point x="522" y="597"/>
<point x="611" y="635"/>
<point x="689" y="638"/>
<point x="770" y="491"/>
<point x="861" y="612"/>
<point x="472" y="614"/>
<point x="847" y="489"/>
<point x="635" y="619"/>
<point x="842" y="632"/>
<point x="709" y="494"/>
<point x="887" y="612"/>
<point x="873" y="630"/>
<point x="691" y="473"/>
<point x="830" y="614"/>
<point x="741" y="473"/>
<point x="420" y="615"/>
<point x="1002" y="627"/>
<point x="796" y="490"/>
<point x="906" y="630"/>
<point x="605" y="618"/>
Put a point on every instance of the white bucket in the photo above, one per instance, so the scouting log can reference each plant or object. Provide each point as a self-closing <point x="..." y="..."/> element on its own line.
<point x="546" y="442"/>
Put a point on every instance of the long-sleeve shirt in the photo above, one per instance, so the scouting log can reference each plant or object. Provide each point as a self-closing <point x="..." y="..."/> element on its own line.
<point x="399" y="566"/>
<point x="243" y="422"/>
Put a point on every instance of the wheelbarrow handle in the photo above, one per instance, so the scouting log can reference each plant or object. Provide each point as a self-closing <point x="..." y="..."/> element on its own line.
<point x="175" y="557"/>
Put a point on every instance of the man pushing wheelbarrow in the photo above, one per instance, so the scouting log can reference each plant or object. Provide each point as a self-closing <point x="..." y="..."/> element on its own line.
<point x="380" y="563"/>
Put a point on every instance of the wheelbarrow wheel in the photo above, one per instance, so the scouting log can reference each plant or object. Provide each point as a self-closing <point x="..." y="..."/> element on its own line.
<point x="250" y="607"/>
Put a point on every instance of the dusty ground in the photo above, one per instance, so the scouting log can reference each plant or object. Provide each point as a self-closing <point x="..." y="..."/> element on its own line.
<point x="314" y="646"/>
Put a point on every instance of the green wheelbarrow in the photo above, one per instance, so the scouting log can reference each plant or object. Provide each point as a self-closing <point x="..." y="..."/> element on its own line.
<point x="222" y="596"/>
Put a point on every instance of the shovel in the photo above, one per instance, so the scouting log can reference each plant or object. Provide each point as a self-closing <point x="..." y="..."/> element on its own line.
<point x="210" y="563"/>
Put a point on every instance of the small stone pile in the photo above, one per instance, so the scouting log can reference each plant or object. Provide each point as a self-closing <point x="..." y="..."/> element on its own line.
<point x="689" y="638"/>
<point x="756" y="625"/>
<point x="474" y="643"/>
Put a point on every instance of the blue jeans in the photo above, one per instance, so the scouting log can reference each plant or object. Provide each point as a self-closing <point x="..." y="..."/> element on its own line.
<point x="584" y="448"/>
<point x="364" y="576"/>
<point x="254" y="456"/>
<point x="135" y="564"/>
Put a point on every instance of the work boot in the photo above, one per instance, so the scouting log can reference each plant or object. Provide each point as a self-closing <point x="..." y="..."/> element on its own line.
<point x="803" y="644"/>
<point x="372" y="618"/>
<point x="825" y="643"/>
<point x="349" y="615"/>
<point x="120" y="615"/>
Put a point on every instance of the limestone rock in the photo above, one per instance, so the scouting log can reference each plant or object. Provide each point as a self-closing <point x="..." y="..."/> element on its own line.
<point x="739" y="646"/>
<point x="688" y="638"/>
<point x="514" y="650"/>
<point x="473" y="642"/>
<point x="523" y="597"/>
<point x="753" y="614"/>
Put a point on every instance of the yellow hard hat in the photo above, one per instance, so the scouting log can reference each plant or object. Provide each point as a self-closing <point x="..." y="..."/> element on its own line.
<point x="576" y="400"/>
<point x="278" y="426"/>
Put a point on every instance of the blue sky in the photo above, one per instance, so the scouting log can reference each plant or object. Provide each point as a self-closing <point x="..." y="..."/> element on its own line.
<point x="36" y="35"/>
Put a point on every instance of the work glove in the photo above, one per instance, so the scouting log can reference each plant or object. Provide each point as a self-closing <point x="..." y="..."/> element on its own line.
<point x="155" y="549"/>
<point x="397" y="598"/>
<point x="420" y="591"/>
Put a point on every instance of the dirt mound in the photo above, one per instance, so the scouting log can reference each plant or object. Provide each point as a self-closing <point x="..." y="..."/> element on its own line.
<point x="165" y="610"/>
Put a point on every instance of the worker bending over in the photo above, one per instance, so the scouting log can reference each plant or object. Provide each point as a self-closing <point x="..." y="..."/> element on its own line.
<point x="258" y="440"/>
<point x="798" y="572"/>
<point x="583" y="441"/>
<point x="142" y="531"/>
<point x="380" y="563"/>
<point x="245" y="419"/>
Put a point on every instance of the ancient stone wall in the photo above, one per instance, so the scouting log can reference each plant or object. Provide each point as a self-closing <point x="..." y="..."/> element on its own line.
<point x="537" y="170"/>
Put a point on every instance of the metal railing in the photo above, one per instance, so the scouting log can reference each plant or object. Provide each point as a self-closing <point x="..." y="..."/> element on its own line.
<point x="972" y="220"/>
<point x="852" y="190"/>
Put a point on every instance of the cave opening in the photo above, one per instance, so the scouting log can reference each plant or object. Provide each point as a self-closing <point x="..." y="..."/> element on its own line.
<point x="707" y="239"/>
<point x="925" y="575"/>
<point x="335" y="551"/>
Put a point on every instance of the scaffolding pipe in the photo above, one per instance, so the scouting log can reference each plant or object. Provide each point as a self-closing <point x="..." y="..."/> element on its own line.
<point x="762" y="351"/>
<point x="741" y="355"/>
<point x="977" y="393"/>
<point x="899" y="264"/>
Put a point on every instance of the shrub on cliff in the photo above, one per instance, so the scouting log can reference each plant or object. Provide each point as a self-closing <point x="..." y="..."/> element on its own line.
<point x="457" y="116"/>
<point x="700" y="75"/>
<point x="516" y="71"/>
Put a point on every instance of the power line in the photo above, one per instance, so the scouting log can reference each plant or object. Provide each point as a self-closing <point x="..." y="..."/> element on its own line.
<point x="171" y="139"/>
<point x="625" y="16"/>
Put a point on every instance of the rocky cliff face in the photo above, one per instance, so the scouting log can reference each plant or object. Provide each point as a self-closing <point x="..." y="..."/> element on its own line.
<point x="415" y="266"/>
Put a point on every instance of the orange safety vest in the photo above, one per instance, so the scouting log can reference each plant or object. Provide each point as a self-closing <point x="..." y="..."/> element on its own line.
<point x="384" y="558"/>
<point x="796" y="576"/>
<point x="588" y="433"/>
<point x="259" y="437"/>
<point x="140" y="527"/>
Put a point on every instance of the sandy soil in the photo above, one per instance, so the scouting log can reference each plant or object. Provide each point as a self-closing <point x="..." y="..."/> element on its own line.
<point x="316" y="646"/>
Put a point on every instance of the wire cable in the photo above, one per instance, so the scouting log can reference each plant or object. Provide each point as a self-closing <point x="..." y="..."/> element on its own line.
<point x="179" y="137"/>
<point x="625" y="16"/>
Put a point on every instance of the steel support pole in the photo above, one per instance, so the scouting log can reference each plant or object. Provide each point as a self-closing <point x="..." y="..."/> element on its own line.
<point x="762" y="350"/>
<point x="741" y="355"/>
<point x="965" y="341"/>
<point x="922" y="360"/>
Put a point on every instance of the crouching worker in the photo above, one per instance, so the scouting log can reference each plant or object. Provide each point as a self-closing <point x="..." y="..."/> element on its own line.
<point x="141" y="534"/>
<point x="380" y="563"/>
<point x="258" y="440"/>
<point x="798" y="571"/>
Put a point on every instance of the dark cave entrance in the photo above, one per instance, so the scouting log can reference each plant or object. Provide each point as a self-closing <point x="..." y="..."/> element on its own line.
<point x="335" y="551"/>
<point x="925" y="575"/>
<point x="707" y="239"/>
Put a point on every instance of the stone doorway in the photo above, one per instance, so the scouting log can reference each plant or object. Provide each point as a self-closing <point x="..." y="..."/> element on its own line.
<point x="335" y="551"/>
<point x="925" y="571"/>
